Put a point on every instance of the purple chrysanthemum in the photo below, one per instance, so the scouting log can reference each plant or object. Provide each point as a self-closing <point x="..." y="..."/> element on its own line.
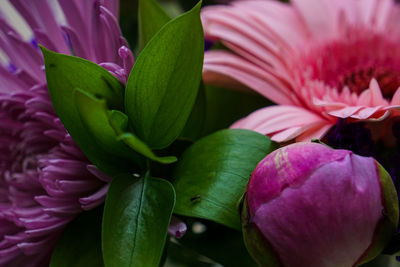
<point x="45" y="180"/>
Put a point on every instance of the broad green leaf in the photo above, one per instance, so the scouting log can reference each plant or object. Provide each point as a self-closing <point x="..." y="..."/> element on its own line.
<point x="151" y="18"/>
<point x="106" y="129"/>
<point x="164" y="82"/>
<point x="69" y="72"/>
<point x="65" y="74"/>
<point x="212" y="174"/>
<point x="80" y="243"/>
<point x="137" y="214"/>
<point x="119" y="122"/>
<point x="194" y="127"/>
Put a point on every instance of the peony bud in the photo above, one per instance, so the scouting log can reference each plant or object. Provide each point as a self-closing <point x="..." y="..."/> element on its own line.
<point x="308" y="205"/>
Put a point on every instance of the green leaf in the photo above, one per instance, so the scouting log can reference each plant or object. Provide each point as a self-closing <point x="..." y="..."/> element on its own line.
<point x="119" y="121"/>
<point x="65" y="74"/>
<point x="80" y="243"/>
<point x="151" y="18"/>
<point x="164" y="82"/>
<point x="212" y="174"/>
<point x="94" y="115"/>
<point x="69" y="72"/>
<point x="137" y="145"/>
<point x="137" y="214"/>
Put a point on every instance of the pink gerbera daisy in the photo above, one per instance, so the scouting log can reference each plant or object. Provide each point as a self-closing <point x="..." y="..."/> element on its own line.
<point x="319" y="60"/>
<point x="45" y="179"/>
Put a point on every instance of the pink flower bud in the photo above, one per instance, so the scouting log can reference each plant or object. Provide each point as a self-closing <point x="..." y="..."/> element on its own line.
<point x="309" y="205"/>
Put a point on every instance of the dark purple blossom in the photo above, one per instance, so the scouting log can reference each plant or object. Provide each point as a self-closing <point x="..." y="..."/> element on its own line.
<point x="352" y="136"/>
<point x="45" y="180"/>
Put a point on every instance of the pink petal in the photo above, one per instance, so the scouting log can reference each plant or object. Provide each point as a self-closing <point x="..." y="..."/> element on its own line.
<point x="231" y="28"/>
<point x="281" y="122"/>
<point x="396" y="98"/>
<point x="287" y="134"/>
<point x="315" y="132"/>
<point x="316" y="14"/>
<point x="382" y="13"/>
<point x="371" y="113"/>
<point x="376" y="13"/>
<point x="367" y="10"/>
<point x="345" y="112"/>
<point x="278" y="22"/>
<point x="281" y="116"/>
<point x="346" y="94"/>
<point x="376" y="94"/>
<point x="365" y="98"/>
<point x="248" y="74"/>
<point x="392" y="21"/>
<point x="328" y="105"/>
<point x="392" y="107"/>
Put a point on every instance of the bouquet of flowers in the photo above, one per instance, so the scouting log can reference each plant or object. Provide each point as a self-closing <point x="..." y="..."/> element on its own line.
<point x="242" y="133"/>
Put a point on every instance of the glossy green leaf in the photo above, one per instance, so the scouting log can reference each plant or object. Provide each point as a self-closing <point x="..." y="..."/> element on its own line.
<point x="164" y="82"/>
<point x="119" y="122"/>
<point x="151" y="18"/>
<point x="212" y="174"/>
<point x="94" y="116"/>
<point x="80" y="243"/>
<point x="65" y="74"/>
<point x="137" y="145"/>
<point x="136" y="219"/>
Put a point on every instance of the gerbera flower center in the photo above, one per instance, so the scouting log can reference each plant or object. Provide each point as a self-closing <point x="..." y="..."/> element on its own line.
<point x="358" y="80"/>
<point x="353" y="62"/>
